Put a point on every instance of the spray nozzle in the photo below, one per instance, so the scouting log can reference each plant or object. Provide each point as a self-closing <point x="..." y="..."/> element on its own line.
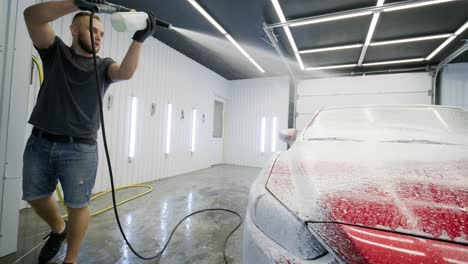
<point x="164" y="24"/>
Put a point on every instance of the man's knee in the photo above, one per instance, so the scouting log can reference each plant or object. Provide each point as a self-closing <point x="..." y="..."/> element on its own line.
<point x="79" y="210"/>
<point x="40" y="202"/>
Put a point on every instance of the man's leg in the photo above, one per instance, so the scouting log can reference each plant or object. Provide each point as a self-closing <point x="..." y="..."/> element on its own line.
<point x="78" y="219"/>
<point x="76" y="170"/>
<point x="39" y="182"/>
<point x="48" y="210"/>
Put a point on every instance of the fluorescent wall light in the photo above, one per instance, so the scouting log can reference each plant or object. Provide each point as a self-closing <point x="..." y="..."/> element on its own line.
<point x="194" y="129"/>
<point x="327" y="19"/>
<point x="392" y="62"/>
<point x="168" y="128"/>
<point x="288" y="33"/>
<point x="331" y="67"/>
<point x="224" y="32"/>
<point x="207" y="16"/>
<point x="331" y="48"/>
<point x="133" y="117"/>
<point x="274" y="133"/>
<point x="262" y="135"/>
<point x="433" y="2"/>
<point x="397" y="41"/>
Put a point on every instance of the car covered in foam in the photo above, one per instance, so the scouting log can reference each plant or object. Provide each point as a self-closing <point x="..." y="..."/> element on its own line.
<point x="365" y="184"/>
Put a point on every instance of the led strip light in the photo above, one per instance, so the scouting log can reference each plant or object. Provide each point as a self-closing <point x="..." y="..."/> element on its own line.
<point x="392" y="62"/>
<point x="224" y="32"/>
<point x="406" y="40"/>
<point x="446" y="42"/>
<point x="370" y="33"/>
<point x="376" y="15"/>
<point x="282" y="18"/>
<point x="331" y="48"/>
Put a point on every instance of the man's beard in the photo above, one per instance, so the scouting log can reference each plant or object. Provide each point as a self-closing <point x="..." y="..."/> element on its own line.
<point x="84" y="46"/>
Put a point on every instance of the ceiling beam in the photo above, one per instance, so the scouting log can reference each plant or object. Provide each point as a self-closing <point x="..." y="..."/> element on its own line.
<point x="280" y="52"/>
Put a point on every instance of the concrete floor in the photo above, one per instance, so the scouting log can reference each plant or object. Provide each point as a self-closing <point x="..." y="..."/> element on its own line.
<point x="149" y="220"/>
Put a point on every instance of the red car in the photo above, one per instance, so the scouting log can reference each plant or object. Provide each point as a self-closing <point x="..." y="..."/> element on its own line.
<point x="371" y="184"/>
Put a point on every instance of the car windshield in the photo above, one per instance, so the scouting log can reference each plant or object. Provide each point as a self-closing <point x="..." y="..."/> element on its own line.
<point x="422" y="125"/>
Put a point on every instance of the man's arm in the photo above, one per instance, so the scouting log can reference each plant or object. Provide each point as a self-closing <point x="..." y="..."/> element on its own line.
<point x="38" y="16"/>
<point x="125" y="70"/>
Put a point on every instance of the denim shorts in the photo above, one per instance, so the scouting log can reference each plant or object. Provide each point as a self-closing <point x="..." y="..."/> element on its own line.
<point x="74" y="165"/>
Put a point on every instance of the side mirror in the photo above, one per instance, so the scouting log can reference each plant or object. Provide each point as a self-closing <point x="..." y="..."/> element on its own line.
<point x="288" y="135"/>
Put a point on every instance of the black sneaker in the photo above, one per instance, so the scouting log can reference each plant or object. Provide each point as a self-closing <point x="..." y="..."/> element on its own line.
<point x="52" y="246"/>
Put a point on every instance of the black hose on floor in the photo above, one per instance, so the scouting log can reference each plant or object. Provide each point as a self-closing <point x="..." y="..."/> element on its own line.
<point x="101" y="113"/>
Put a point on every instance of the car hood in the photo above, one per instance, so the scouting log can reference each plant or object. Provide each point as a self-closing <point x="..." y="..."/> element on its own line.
<point x="417" y="189"/>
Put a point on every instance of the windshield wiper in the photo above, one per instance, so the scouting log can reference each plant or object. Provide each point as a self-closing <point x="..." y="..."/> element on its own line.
<point x="419" y="141"/>
<point x="333" y="139"/>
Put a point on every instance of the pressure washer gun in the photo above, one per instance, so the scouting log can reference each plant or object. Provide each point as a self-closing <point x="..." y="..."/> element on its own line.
<point x="123" y="19"/>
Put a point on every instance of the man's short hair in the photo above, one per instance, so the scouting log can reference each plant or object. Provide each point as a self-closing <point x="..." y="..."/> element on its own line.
<point x="84" y="14"/>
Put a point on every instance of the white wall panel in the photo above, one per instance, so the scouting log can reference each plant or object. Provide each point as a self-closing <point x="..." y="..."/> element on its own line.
<point x="14" y="89"/>
<point x="164" y="76"/>
<point x="249" y="101"/>
<point x="454" y="85"/>
<point x="315" y="94"/>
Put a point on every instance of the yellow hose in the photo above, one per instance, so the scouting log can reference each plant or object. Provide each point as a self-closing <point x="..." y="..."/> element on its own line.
<point x="39" y="68"/>
<point x="94" y="197"/>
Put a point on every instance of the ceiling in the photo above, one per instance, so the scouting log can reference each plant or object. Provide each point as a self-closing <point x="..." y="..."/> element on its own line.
<point x="244" y="20"/>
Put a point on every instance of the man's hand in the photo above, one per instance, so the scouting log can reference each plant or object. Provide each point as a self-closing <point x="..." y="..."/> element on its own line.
<point x="88" y="5"/>
<point x="143" y="34"/>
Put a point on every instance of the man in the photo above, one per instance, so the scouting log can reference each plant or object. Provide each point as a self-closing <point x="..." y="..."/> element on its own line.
<point x="62" y="146"/>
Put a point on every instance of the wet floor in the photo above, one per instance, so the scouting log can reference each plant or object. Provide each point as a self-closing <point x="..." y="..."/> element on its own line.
<point x="149" y="220"/>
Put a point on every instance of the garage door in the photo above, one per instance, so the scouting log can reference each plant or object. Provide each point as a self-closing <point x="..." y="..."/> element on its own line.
<point x="390" y="89"/>
<point x="454" y="85"/>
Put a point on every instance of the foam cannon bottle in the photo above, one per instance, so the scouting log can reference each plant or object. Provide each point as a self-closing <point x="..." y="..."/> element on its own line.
<point x="133" y="21"/>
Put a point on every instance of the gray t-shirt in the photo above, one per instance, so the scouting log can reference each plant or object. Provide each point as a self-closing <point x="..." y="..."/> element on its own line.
<point x="67" y="103"/>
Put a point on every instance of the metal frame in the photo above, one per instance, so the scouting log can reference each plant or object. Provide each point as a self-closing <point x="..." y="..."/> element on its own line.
<point x="363" y="73"/>
<point x="441" y="65"/>
<point x="293" y="87"/>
